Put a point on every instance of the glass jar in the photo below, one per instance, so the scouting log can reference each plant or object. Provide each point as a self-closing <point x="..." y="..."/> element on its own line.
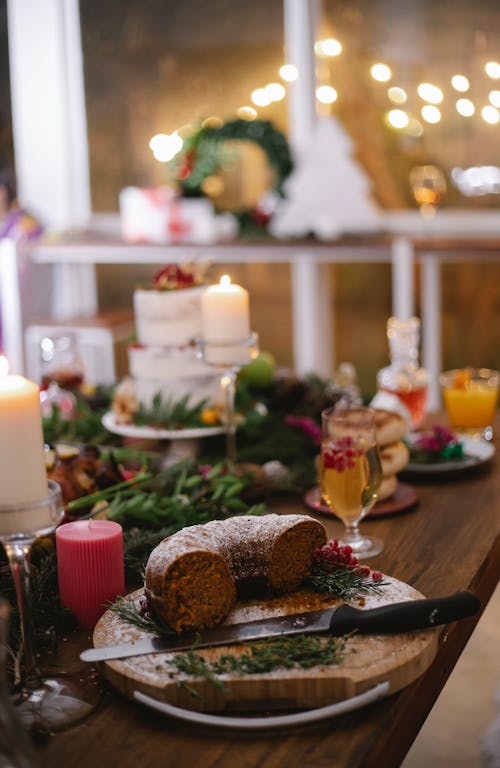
<point x="61" y="362"/>
<point x="404" y="377"/>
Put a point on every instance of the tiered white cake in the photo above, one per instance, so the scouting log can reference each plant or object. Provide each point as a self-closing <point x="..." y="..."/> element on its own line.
<point x="165" y="359"/>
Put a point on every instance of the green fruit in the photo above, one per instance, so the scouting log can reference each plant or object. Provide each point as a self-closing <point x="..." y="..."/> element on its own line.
<point x="260" y="371"/>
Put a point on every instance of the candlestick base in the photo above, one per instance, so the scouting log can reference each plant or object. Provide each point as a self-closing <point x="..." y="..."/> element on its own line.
<point x="25" y="520"/>
<point x="229" y="354"/>
<point x="229" y="357"/>
<point x="44" y="703"/>
<point x="55" y="703"/>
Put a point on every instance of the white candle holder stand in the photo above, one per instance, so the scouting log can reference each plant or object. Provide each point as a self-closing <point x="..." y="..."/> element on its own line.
<point x="229" y="357"/>
<point x="44" y="704"/>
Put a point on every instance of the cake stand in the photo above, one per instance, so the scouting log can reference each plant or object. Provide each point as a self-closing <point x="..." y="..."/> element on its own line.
<point x="183" y="442"/>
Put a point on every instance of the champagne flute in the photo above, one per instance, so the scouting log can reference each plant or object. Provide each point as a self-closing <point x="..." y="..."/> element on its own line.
<point x="350" y="472"/>
<point x="44" y="704"/>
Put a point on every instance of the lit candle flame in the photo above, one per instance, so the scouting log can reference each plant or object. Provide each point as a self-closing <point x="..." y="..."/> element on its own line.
<point x="4" y="365"/>
<point x="225" y="281"/>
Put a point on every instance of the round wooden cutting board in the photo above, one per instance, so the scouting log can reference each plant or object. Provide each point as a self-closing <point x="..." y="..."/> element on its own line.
<point x="368" y="660"/>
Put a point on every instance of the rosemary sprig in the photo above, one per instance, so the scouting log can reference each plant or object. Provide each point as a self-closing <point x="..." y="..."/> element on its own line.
<point x="346" y="583"/>
<point x="128" y="611"/>
<point x="294" y="652"/>
<point x="297" y="651"/>
<point x="288" y="652"/>
<point x="193" y="665"/>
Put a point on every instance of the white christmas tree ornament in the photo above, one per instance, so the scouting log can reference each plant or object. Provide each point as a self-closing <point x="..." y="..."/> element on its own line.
<point x="328" y="193"/>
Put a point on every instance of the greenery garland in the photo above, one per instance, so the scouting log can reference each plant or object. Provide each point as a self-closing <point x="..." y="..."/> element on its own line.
<point x="202" y="152"/>
<point x="152" y="507"/>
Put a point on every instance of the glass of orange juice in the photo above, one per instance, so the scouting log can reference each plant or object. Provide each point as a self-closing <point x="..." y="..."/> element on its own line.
<point x="470" y="397"/>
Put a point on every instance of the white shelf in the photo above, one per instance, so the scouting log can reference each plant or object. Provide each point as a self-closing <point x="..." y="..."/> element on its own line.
<point x="452" y="237"/>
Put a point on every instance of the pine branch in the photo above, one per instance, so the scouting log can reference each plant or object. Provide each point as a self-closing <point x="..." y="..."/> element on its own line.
<point x="171" y="414"/>
<point x="346" y="583"/>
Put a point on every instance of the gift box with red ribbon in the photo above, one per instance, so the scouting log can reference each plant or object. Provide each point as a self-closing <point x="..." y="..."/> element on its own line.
<point x="157" y="215"/>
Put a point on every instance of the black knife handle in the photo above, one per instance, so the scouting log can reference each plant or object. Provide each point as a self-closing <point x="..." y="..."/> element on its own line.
<point x="404" y="617"/>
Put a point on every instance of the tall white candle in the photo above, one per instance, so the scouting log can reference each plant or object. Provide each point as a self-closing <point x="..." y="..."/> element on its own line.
<point x="225" y="312"/>
<point x="23" y="477"/>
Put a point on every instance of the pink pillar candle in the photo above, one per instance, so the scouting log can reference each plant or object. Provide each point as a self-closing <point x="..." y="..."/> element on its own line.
<point x="90" y="567"/>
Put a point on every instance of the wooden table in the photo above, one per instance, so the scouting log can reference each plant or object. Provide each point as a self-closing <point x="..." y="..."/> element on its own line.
<point x="449" y="542"/>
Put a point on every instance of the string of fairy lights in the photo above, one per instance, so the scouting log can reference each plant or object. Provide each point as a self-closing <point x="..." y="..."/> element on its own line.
<point x="430" y="99"/>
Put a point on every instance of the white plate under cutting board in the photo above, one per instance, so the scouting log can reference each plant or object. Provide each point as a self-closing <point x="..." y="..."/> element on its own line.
<point x="368" y="661"/>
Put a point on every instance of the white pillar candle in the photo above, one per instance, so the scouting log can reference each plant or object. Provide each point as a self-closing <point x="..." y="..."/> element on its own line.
<point x="225" y="313"/>
<point x="23" y="477"/>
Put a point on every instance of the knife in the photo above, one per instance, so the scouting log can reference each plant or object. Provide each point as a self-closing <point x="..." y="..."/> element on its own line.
<point x="395" y="617"/>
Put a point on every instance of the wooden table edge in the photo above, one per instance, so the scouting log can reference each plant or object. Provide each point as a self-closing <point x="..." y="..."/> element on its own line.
<point x="417" y="700"/>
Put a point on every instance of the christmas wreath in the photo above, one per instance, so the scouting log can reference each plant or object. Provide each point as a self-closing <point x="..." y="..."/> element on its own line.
<point x="202" y="155"/>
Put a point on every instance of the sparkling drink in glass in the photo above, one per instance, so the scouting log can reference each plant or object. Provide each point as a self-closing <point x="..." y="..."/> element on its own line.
<point x="350" y="473"/>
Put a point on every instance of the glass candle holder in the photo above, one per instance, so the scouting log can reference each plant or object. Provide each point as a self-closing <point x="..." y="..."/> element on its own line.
<point x="229" y="357"/>
<point x="43" y="703"/>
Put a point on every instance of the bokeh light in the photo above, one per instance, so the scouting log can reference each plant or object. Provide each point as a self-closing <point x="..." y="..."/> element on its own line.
<point x="381" y="72"/>
<point x="460" y="83"/>
<point x="431" y="93"/>
<point x="465" y="107"/>
<point x="275" y="91"/>
<point x="397" y="118"/>
<point x="326" y="94"/>
<point x="494" y="97"/>
<point x="289" y="73"/>
<point x="430" y="114"/>
<point x="397" y="95"/>
<point x="490" y="114"/>
<point x="492" y="69"/>
<point x="165" y="146"/>
<point x="414" y="127"/>
<point x="328" y="47"/>
<point x="246" y="113"/>
<point x="260" y="97"/>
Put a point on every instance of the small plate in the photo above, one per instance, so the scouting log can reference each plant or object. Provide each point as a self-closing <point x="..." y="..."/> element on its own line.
<point x="156" y="433"/>
<point x="476" y="452"/>
<point x="403" y="498"/>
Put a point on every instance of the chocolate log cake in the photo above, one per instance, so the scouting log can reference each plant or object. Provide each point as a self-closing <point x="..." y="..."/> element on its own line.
<point x="192" y="576"/>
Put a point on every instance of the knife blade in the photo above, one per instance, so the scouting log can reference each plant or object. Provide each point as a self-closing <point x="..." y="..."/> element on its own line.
<point x="395" y="617"/>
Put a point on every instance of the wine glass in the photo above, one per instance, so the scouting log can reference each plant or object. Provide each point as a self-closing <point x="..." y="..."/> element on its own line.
<point x="44" y="704"/>
<point x="428" y="186"/>
<point x="350" y="472"/>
